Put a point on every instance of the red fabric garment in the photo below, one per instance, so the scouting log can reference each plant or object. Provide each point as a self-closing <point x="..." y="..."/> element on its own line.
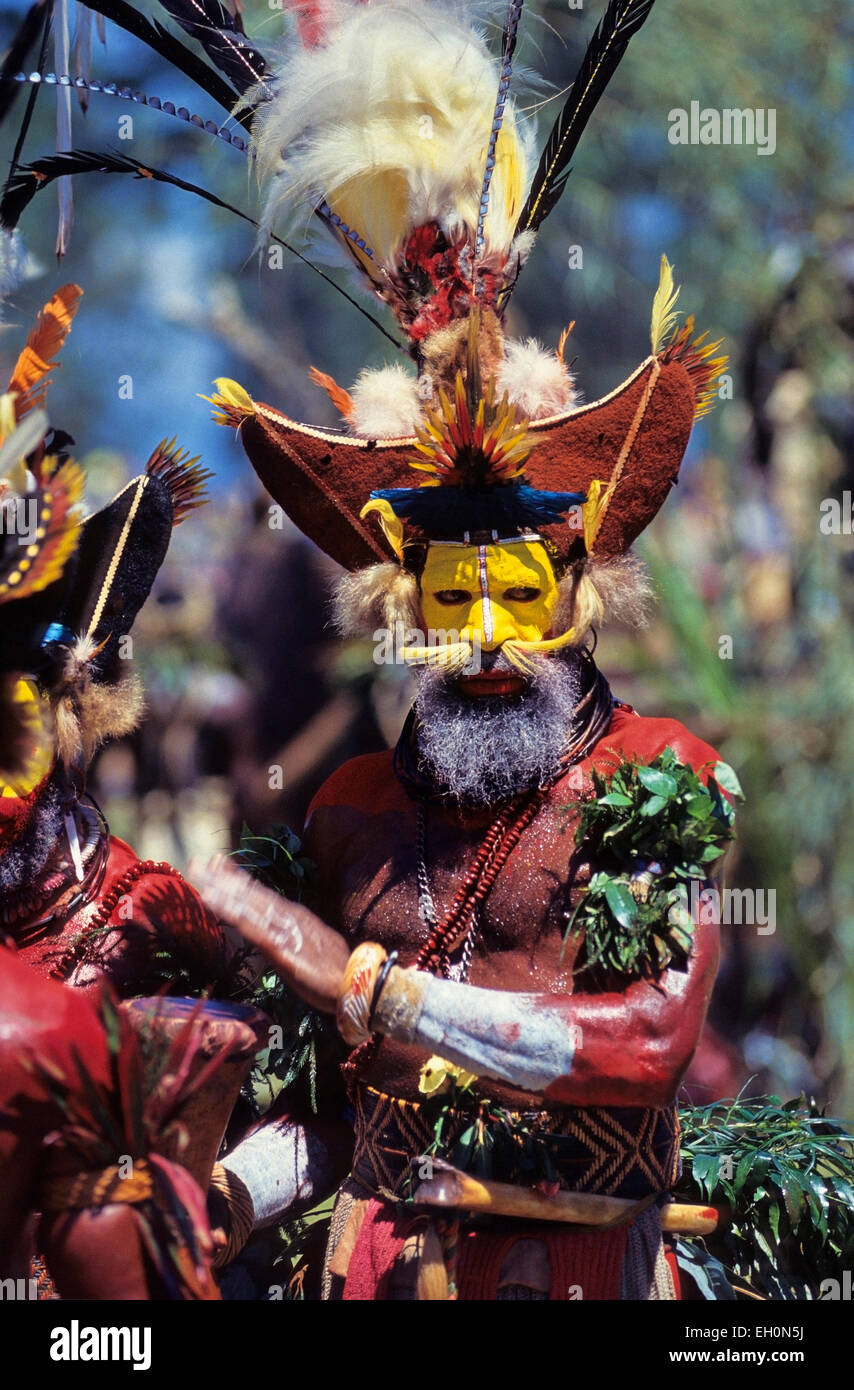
<point x="579" y="1258"/>
<point x="378" y="1245"/>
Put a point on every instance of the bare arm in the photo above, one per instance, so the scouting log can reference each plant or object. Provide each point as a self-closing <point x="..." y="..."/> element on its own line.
<point x="628" y="1048"/>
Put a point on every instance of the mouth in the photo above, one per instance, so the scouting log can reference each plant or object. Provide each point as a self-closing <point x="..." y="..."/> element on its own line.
<point x="492" y="683"/>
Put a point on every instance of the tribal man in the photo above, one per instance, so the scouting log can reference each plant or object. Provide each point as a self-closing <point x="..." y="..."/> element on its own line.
<point x="451" y="863"/>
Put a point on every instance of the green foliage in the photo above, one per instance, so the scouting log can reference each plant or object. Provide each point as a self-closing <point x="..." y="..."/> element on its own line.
<point x="480" y="1136"/>
<point x="291" y="1063"/>
<point x="787" y="1174"/>
<point x="276" y="860"/>
<point x="654" y="828"/>
<point x="303" y="1242"/>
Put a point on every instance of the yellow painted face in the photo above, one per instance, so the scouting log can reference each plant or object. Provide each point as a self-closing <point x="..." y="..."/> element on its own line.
<point x="42" y="758"/>
<point x="492" y="593"/>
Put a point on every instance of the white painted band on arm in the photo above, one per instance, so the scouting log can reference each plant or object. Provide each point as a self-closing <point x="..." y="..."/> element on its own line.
<point x="511" y="1037"/>
<point x="282" y="1165"/>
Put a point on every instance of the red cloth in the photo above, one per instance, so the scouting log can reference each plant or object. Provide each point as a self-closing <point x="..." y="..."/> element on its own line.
<point x="378" y="1245"/>
<point x="579" y="1258"/>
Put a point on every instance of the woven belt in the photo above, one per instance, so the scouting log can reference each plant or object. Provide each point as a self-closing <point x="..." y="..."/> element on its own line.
<point x="620" y="1152"/>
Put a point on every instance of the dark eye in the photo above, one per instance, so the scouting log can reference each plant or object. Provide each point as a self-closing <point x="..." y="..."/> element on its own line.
<point x="452" y="598"/>
<point x="522" y="594"/>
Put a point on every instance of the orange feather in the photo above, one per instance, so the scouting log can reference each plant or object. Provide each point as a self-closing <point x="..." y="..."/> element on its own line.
<point x="341" y="399"/>
<point x="37" y="359"/>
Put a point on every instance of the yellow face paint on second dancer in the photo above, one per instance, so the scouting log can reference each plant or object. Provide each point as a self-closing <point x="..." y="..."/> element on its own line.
<point x="41" y="760"/>
<point x="489" y="594"/>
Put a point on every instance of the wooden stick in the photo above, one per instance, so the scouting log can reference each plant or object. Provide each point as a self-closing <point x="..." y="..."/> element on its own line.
<point x="450" y="1188"/>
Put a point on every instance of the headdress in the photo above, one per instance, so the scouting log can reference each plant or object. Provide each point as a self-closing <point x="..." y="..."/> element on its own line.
<point x="71" y="585"/>
<point x="392" y="125"/>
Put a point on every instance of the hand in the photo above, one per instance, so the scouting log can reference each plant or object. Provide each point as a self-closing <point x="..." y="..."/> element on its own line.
<point x="308" y="955"/>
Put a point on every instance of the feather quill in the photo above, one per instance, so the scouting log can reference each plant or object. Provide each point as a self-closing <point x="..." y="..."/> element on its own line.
<point x="610" y="39"/>
<point x="84" y="87"/>
<point x="16" y="55"/>
<point x="82" y="53"/>
<point x="508" y="48"/>
<point x="30" y="179"/>
<point x="65" y="196"/>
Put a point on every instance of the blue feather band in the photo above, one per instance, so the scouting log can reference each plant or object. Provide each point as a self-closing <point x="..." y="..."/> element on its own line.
<point x="447" y="512"/>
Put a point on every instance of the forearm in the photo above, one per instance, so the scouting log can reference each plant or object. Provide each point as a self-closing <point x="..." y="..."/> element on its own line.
<point x="627" y="1048"/>
<point x="285" y="1166"/>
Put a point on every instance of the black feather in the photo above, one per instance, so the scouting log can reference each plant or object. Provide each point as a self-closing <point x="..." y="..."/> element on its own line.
<point x="447" y="512"/>
<point x="170" y="48"/>
<point x="16" y="56"/>
<point x="222" y="36"/>
<point x="31" y="98"/>
<point x="25" y="182"/>
<point x="620" y="21"/>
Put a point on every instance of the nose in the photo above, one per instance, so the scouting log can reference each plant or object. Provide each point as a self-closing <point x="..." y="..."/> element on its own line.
<point x="491" y="623"/>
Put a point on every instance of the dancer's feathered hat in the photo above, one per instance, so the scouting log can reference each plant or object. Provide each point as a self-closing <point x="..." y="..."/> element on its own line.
<point x="71" y="585"/>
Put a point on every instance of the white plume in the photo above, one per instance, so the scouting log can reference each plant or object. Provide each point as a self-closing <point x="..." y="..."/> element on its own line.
<point x="388" y="120"/>
<point x="386" y="404"/>
<point x="536" y="380"/>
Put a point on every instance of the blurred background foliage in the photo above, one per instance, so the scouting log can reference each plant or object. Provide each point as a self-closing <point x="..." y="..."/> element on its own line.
<point x="752" y="642"/>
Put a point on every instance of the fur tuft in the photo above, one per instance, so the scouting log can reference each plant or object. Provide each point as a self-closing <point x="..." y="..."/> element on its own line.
<point x="616" y="590"/>
<point x="89" y="712"/>
<point x="385" y="403"/>
<point x="378" y="597"/>
<point x="536" y="381"/>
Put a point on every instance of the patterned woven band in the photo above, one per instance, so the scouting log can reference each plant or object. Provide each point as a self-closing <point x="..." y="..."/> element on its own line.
<point x="626" y="1152"/>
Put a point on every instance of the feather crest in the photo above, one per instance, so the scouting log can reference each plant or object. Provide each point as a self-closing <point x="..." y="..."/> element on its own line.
<point x="180" y="475"/>
<point x="695" y="354"/>
<point x="389" y="123"/>
<point x="32" y="568"/>
<point x="610" y="39"/>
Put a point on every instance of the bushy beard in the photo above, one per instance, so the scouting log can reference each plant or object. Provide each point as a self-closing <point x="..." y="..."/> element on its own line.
<point x="488" y="750"/>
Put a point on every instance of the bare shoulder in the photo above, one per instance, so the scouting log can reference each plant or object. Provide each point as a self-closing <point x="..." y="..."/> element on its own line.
<point x="635" y="735"/>
<point x="365" y="784"/>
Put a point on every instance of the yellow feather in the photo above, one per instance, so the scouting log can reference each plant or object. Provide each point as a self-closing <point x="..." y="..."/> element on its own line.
<point x="232" y="402"/>
<point x="593" y="510"/>
<point x="664" y="312"/>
